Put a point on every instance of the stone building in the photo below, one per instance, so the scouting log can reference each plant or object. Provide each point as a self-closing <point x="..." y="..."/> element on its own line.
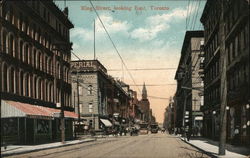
<point x="236" y="32"/>
<point x="101" y="98"/>
<point x="189" y="91"/>
<point x="31" y="73"/>
<point x="93" y="95"/>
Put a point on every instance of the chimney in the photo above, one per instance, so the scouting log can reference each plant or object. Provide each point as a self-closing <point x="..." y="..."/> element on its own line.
<point x="66" y="11"/>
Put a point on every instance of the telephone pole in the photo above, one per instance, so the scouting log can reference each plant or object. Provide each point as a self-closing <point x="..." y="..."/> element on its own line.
<point x="62" y="100"/>
<point x="62" y="47"/>
<point x="223" y="93"/>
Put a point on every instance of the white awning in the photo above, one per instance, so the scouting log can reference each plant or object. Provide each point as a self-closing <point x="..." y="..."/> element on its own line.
<point x="106" y="122"/>
<point x="199" y="118"/>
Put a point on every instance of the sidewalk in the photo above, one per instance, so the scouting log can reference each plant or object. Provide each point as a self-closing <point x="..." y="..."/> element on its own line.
<point x="21" y="149"/>
<point x="211" y="148"/>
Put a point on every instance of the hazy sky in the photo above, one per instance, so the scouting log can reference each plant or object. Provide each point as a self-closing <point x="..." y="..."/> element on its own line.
<point x="145" y="38"/>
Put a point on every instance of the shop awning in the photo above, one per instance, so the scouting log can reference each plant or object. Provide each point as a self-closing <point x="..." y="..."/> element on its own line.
<point x="106" y="122"/>
<point x="18" y="109"/>
<point x="199" y="118"/>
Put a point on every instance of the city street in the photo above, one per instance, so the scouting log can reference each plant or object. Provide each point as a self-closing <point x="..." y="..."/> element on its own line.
<point x="143" y="146"/>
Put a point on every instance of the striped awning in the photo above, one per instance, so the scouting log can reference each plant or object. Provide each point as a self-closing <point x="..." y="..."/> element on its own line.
<point x="18" y="109"/>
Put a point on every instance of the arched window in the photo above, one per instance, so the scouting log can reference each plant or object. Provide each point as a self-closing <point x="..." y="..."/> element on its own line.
<point x="21" y="50"/>
<point x="48" y="92"/>
<point x="49" y="43"/>
<point x="38" y="88"/>
<point x="26" y="85"/>
<point x="41" y="61"/>
<point x="17" y="81"/>
<point x="34" y="58"/>
<point x="4" y="78"/>
<point x="90" y="89"/>
<point x="51" y="93"/>
<point x="20" y="21"/>
<point x="37" y="64"/>
<point x="21" y="83"/>
<point x="39" y="37"/>
<point x="11" y="80"/>
<point x="30" y="86"/>
<point x="29" y="54"/>
<point x="34" y="31"/>
<point x="46" y="64"/>
<point x="42" y="89"/>
<point x="51" y="67"/>
<point x="4" y="40"/>
<point x="26" y="53"/>
<point x="58" y="70"/>
<point x="11" y="19"/>
<point x="34" y="92"/>
<point x="45" y="42"/>
<point x="11" y="45"/>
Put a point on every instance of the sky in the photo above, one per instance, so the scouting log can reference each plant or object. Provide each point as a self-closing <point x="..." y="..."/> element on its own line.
<point x="147" y="35"/>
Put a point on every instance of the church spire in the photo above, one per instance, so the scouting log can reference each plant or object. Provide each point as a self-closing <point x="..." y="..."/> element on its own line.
<point x="144" y="92"/>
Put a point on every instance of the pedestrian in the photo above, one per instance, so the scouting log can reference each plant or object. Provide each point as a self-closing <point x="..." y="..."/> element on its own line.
<point x="86" y="127"/>
<point x="236" y="135"/>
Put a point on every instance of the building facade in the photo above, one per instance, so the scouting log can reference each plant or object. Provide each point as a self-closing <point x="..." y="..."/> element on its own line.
<point x="236" y="32"/>
<point x="101" y="98"/>
<point x="31" y="71"/>
<point x="189" y="92"/>
<point x="92" y="80"/>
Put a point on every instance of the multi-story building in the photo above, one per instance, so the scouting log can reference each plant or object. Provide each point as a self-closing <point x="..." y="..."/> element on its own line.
<point x="211" y="71"/>
<point x="34" y="71"/>
<point x="238" y="70"/>
<point x="169" y="117"/>
<point x="102" y="100"/>
<point x="188" y="96"/>
<point x="93" y="82"/>
<point x="236" y="32"/>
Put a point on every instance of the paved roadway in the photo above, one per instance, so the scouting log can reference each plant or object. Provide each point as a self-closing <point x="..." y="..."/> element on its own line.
<point x="143" y="146"/>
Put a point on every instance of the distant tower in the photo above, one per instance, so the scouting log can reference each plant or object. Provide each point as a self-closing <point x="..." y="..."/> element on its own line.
<point x="144" y="92"/>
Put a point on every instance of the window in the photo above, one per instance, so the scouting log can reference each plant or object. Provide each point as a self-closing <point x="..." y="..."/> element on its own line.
<point x="236" y="47"/>
<point x="80" y="90"/>
<point x="20" y="21"/>
<point x="90" y="107"/>
<point x="44" y="13"/>
<point x="239" y="44"/>
<point x="48" y="17"/>
<point x="34" y="31"/>
<point x="80" y="108"/>
<point x="90" y="89"/>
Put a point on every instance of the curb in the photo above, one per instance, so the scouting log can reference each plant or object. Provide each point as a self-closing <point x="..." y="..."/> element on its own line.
<point x="34" y="150"/>
<point x="204" y="151"/>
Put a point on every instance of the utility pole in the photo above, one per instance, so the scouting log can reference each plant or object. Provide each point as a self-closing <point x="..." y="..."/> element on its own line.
<point x="62" y="100"/>
<point x="78" y="100"/>
<point x="223" y="93"/>
<point x="94" y="40"/>
<point x="59" y="48"/>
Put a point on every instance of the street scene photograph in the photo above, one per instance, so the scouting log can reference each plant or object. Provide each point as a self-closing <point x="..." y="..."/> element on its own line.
<point x="125" y="78"/>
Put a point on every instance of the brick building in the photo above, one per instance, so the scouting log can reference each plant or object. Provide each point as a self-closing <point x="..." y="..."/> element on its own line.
<point x="31" y="72"/>
<point x="188" y="97"/>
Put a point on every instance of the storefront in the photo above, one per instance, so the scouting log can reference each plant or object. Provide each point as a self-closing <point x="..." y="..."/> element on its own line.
<point x="23" y="123"/>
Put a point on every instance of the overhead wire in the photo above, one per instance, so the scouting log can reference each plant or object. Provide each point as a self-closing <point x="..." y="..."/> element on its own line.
<point x="114" y="45"/>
